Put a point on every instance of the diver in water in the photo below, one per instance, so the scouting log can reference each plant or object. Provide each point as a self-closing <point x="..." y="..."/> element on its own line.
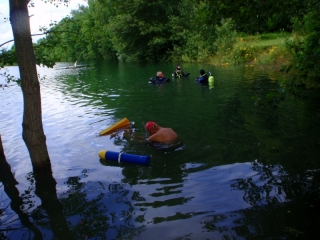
<point x="178" y="73"/>
<point x="203" y="78"/>
<point x="160" y="134"/>
<point x="159" y="78"/>
<point x="157" y="137"/>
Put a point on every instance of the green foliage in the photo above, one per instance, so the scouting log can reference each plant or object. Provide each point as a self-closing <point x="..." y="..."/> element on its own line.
<point x="193" y="38"/>
<point x="226" y="35"/>
<point x="254" y="16"/>
<point x="60" y="43"/>
<point x="76" y="38"/>
<point x="226" y="38"/>
<point x="188" y="30"/>
<point x="8" y="57"/>
<point x="275" y="54"/>
<point x="305" y="45"/>
<point x="251" y="49"/>
<point x="242" y="54"/>
<point x="139" y="29"/>
<point x="195" y="50"/>
<point x="9" y="78"/>
<point x="43" y="55"/>
<point x="239" y="53"/>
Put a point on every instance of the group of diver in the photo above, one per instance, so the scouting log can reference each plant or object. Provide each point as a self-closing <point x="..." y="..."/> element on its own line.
<point x="177" y="74"/>
<point x="164" y="134"/>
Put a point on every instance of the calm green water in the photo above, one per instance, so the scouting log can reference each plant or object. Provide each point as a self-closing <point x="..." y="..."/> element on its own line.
<point x="246" y="167"/>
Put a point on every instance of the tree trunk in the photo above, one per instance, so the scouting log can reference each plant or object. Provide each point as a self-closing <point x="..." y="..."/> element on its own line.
<point x="32" y="129"/>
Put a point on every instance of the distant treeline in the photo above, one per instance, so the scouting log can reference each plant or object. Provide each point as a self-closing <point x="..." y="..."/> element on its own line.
<point x="178" y="30"/>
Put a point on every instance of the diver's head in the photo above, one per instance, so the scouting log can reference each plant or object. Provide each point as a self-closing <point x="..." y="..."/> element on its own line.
<point x="178" y="68"/>
<point x="160" y="74"/>
<point x="202" y="72"/>
<point x="151" y="125"/>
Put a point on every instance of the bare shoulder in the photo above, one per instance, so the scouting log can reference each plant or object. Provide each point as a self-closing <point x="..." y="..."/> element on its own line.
<point x="171" y="130"/>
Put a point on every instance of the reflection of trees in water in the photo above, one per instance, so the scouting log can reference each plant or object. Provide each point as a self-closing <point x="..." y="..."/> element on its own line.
<point x="258" y="190"/>
<point x="88" y="215"/>
<point x="84" y="204"/>
<point x="273" y="185"/>
<point x="283" y="206"/>
<point x="92" y="209"/>
<point x="18" y="204"/>
<point x="45" y="189"/>
<point x="47" y="216"/>
<point x="100" y="209"/>
<point x="50" y="204"/>
<point x="168" y="182"/>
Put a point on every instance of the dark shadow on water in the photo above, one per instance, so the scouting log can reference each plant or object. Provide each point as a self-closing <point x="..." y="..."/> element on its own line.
<point x="9" y="183"/>
<point x="46" y="191"/>
<point x="112" y="163"/>
<point x="176" y="145"/>
<point x="281" y="206"/>
<point x="279" y="199"/>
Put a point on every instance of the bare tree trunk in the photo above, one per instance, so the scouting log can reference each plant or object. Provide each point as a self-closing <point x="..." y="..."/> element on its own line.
<point x="32" y="129"/>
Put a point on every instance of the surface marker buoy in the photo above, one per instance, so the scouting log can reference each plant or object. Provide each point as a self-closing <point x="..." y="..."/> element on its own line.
<point x="123" y="157"/>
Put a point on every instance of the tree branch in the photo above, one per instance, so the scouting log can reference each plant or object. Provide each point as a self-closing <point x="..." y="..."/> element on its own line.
<point x="39" y="34"/>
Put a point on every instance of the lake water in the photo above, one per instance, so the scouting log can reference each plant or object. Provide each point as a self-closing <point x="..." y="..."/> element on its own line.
<point x="247" y="166"/>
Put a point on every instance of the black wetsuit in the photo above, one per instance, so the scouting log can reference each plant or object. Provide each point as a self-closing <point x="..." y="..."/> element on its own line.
<point x="181" y="74"/>
<point x="202" y="79"/>
<point x="158" y="80"/>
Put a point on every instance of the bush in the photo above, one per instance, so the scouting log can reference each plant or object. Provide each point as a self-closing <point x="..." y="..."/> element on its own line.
<point x="242" y="54"/>
<point x="305" y="46"/>
<point x="226" y="37"/>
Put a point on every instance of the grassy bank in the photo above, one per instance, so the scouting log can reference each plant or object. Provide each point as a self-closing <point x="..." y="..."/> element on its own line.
<point x="264" y="49"/>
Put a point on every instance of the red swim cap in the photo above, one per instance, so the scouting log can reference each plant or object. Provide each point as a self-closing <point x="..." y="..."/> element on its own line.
<point x="150" y="125"/>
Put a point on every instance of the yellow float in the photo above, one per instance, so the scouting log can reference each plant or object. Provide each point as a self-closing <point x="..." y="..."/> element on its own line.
<point x="121" y="124"/>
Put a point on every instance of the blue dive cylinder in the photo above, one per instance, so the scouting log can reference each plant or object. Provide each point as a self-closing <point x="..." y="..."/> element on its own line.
<point x="124" y="157"/>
